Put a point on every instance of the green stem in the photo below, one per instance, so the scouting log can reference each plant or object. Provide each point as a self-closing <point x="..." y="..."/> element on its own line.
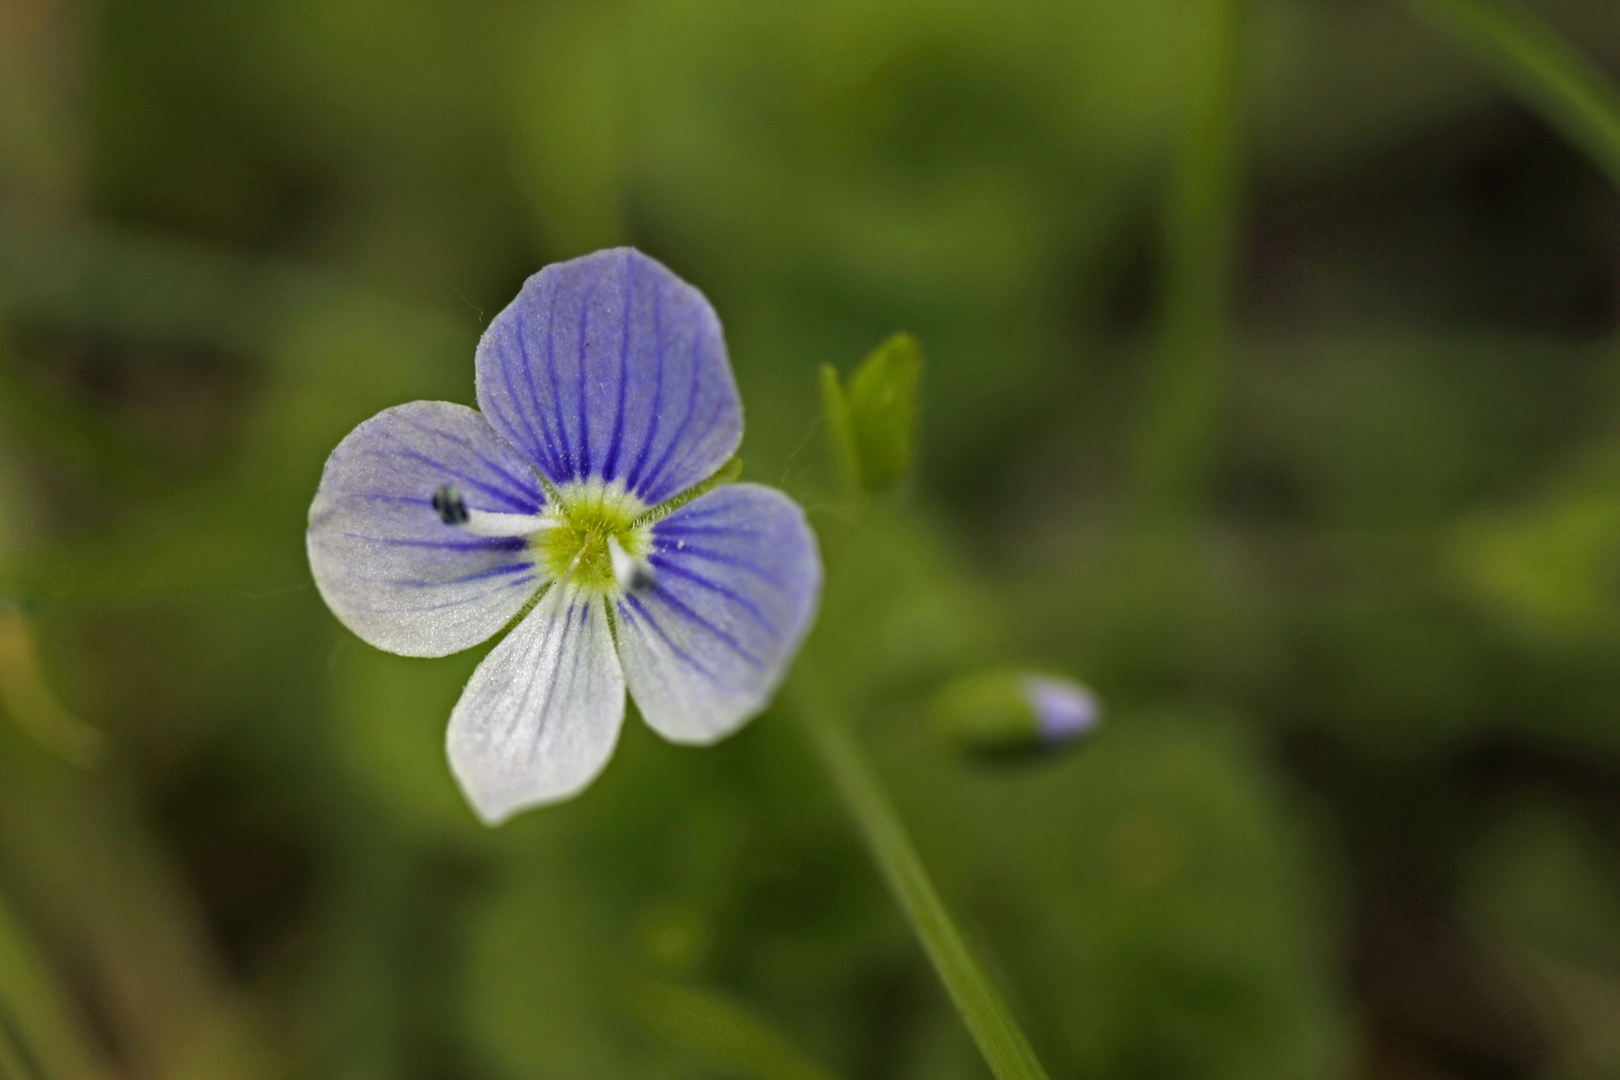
<point x="1176" y="448"/>
<point x="1569" y="90"/>
<point x="992" y="1026"/>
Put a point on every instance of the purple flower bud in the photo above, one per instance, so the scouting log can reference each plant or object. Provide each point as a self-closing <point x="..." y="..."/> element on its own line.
<point x="1064" y="710"/>
<point x="1005" y="713"/>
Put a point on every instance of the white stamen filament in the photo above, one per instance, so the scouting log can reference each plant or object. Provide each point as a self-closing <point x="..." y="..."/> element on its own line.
<point x="489" y="523"/>
<point x="631" y="573"/>
<point x="453" y="510"/>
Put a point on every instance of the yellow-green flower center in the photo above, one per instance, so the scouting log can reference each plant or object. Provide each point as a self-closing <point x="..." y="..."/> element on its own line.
<point x="583" y="517"/>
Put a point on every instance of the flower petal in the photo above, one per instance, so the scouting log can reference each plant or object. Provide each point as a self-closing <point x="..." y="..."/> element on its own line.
<point x="385" y="563"/>
<point x="540" y="715"/>
<point x="735" y="579"/>
<point x="611" y="367"/>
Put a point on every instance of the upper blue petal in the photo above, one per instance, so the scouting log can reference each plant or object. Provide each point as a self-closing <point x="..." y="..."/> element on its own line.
<point x="610" y="367"/>
<point x="391" y="570"/>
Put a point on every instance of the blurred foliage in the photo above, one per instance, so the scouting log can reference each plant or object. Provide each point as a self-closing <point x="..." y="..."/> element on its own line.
<point x="872" y="423"/>
<point x="1354" y="808"/>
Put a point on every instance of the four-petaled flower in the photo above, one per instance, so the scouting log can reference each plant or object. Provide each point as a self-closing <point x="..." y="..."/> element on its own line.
<point x="585" y="498"/>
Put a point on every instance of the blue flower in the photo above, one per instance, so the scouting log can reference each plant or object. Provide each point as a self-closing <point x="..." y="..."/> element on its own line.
<point x="1004" y="713"/>
<point x="580" y="500"/>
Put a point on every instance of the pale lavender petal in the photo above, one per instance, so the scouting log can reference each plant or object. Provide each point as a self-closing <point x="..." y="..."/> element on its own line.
<point x="735" y="580"/>
<point x="386" y="564"/>
<point x="540" y="716"/>
<point x="611" y="367"/>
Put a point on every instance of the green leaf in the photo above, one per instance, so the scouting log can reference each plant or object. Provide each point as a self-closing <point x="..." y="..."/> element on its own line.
<point x="882" y="400"/>
<point x="840" y="430"/>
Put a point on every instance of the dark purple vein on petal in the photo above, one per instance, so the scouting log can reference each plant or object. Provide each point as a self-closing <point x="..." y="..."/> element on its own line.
<point x="556" y="675"/>
<point x="612" y="463"/>
<point x="567" y="471"/>
<point x="634" y="475"/>
<point x="556" y="440"/>
<point x="377" y="496"/>
<point x="722" y="502"/>
<point x="540" y="439"/>
<point x="654" y="476"/>
<point x="495" y="414"/>
<point x="669" y="567"/>
<point x="561" y="452"/>
<point x="706" y="425"/>
<point x="477" y="575"/>
<point x="582" y="396"/>
<point x="717" y="405"/>
<point x="551" y="627"/>
<point x="711" y="530"/>
<point x="723" y="559"/>
<point x="641" y="615"/>
<point x="491" y="490"/>
<point x="535" y="447"/>
<point x="682" y="609"/>
<point x="460" y="601"/>
<point x="481" y="543"/>
<point x="494" y="467"/>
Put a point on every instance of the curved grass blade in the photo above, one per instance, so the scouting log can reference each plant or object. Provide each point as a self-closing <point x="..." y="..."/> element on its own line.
<point x="1555" y="78"/>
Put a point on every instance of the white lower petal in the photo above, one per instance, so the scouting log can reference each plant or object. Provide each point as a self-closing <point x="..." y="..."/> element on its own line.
<point x="540" y="716"/>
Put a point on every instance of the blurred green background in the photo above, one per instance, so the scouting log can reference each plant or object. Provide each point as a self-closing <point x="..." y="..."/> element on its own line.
<point x="1355" y="808"/>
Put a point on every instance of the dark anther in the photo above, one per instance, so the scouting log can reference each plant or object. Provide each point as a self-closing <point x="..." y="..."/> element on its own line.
<point x="641" y="578"/>
<point x="451" y="507"/>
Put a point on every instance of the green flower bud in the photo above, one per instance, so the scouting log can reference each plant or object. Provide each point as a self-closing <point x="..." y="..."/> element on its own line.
<point x="873" y="421"/>
<point x="1014" y="714"/>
